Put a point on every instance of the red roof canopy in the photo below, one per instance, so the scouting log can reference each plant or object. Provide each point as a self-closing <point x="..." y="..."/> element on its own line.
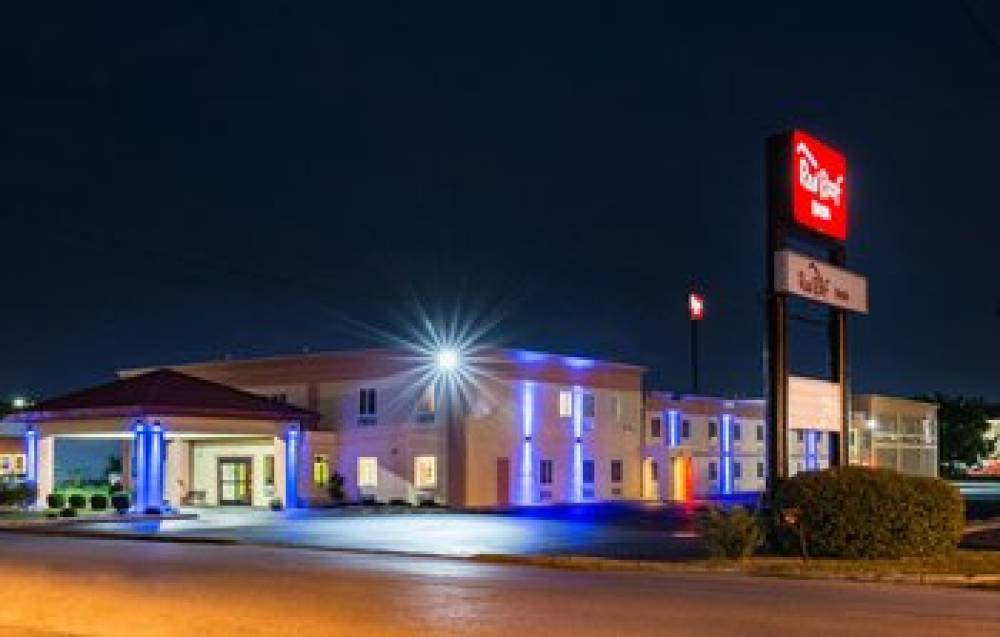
<point x="164" y="392"/>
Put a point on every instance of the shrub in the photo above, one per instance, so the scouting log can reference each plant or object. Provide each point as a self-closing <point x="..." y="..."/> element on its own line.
<point x="17" y="494"/>
<point x="98" y="502"/>
<point x="275" y="504"/>
<point x="862" y="513"/>
<point x="735" y="534"/>
<point x="55" y="500"/>
<point x="68" y="512"/>
<point x="77" y="501"/>
<point x="121" y="502"/>
<point x="336" y="487"/>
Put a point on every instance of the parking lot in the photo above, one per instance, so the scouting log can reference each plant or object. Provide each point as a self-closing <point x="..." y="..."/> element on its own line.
<point x="622" y="532"/>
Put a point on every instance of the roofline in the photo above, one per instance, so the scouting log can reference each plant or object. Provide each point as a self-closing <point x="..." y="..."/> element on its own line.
<point x="152" y="411"/>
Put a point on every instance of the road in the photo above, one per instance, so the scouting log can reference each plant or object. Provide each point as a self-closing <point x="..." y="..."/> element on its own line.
<point x="58" y="586"/>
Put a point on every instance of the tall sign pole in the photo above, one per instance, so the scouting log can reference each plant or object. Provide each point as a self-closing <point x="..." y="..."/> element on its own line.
<point x="696" y="312"/>
<point x="807" y="206"/>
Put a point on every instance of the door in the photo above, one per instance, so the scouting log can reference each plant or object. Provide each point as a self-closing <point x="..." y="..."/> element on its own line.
<point x="503" y="481"/>
<point x="235" y="481"/>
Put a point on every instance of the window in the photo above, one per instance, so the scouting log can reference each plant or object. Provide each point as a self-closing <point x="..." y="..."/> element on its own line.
<point x="760" y="433"/>
<point x="279" y="398"/>
<point x="19" y="464"/>
<point x="269" y="470"/>
<point x="654" y="471"/>
<point x="713" y="429"/>
<point x="615" y="407"/>
<point x="760" y="469"/>
<point x="853" y="438"/>
<point x="587" y="405"/>
<point x="367" y="471"/>
<point x="545" y="472"/>
<point x="367" y="402"/>
<point x="798" y="436"/>
<point x="321" y="470"/>
<point x="737" y="469"/>
<point x="5" y="464"/>
<point x="427" y="401"/>
<point x="616" y="470"/>
<point x="654" y="427"/>
<point x="425" y="472"/>
<point x="565" y="404"/>
<point x="588" y="472"/>
<point x="686" y="429"/>
<point x="713" y="471"/>
<point x="737" y="431"/>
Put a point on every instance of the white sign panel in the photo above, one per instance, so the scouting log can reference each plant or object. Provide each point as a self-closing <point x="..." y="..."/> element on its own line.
<point x="815" y="280"/>
<point x="813" y="404"/>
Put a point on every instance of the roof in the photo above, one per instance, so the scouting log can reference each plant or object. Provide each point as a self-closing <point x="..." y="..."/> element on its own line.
<point x="163" y="392"/>
<point x="349" y="365"/>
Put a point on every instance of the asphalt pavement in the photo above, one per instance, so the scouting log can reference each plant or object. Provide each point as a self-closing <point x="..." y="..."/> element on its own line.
<point x="58" y="585"/>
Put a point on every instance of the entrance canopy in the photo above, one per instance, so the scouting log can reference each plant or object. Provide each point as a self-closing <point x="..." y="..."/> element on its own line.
<point x="164" y="393"/>
<point x="177" y="432"/>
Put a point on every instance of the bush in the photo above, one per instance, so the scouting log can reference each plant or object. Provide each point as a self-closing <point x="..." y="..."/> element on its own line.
<point x="68" y="512"/>
<point x="98" y="502"/>
<point x="77" y="501"/>
<point x="17" y="494"/>
<point x="862" y="513"/>
<point x="55" y="500"/>
<point x="336" y="487"/>
<point x="121" y="502"/>
<point x="735" y="534"/>
<point x="275" y="504"/>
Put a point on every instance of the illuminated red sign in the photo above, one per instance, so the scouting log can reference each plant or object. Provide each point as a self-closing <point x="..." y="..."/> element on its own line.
<point x="696" y="306"/>
<point x="819" y="187"/>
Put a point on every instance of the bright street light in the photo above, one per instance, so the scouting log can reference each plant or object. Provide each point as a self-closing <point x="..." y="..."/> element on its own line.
<point x="447" y="359"/>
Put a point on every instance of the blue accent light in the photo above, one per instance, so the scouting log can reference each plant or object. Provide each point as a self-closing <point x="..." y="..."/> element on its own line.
<point x="140" y="466"/>
<point x="726" y="455"/>
<point x="530" y="357"/>
<point x="577" y="494"/>
<point x="578" y="363"/>
<point x="292" y="438"/>
<point x="527" y="427"/>
<point x="812" y="459"/>
<point x="155" y="462"/>
<point x="31" y="454"/>
<point x="673" y="427"/>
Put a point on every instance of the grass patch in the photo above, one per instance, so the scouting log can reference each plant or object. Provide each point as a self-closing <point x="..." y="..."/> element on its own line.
<point x="961" y="562"/>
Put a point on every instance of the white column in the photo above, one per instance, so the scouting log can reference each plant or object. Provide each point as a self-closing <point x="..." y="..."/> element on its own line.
<point x="46" y="468"/>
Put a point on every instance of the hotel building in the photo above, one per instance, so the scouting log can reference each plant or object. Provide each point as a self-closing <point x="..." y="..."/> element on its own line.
<point x="513" y="428"/>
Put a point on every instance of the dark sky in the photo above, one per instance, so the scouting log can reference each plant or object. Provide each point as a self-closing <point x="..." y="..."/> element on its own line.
<point x="176" y="184"/>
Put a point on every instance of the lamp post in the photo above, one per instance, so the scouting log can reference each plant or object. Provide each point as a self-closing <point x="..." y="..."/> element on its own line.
<point x="696" y="311"/>
<point x="447" y="361"/>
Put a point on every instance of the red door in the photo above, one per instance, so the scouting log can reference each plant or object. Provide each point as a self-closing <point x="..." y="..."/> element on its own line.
<point x="503" y="481"/>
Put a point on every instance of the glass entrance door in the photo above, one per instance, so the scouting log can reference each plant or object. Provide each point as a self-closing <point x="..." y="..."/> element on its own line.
<point x="235" y="483"/>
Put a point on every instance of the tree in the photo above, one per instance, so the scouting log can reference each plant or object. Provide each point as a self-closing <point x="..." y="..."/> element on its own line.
<point x="962" y="427"/>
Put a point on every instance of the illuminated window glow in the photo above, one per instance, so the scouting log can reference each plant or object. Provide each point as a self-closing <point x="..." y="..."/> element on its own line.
<point x="367" y="471"/>
<point x="425" y="472"/>
<point x="565" y="404"/>
<point x="321" y="470"/>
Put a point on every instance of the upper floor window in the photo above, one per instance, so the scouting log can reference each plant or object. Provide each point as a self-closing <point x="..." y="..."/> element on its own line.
<point x="760" y="469"/>
<point x="616" y="470"/>
<point x="799" y="437"/>
<point x="615" y="407"/>
<point x="565" y="403"/>
<point x="654" y="427"/>
<point x="685" y="429"/>
<point x="587" y="405"/>
<point x="737" y="431"/>
<point x="737" y="469"/>
<point x="713" y="471"/>
<point x="545" y="472"/>
<point x="713" y="429"/>
<point x="760" y="433"/>
<point x="367" y="405"/>
<point x="428" y="398"/>
<point x="279" y="397"/>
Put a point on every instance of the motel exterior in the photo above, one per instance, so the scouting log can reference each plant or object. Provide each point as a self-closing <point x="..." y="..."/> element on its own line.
<point x="516" y="428"/>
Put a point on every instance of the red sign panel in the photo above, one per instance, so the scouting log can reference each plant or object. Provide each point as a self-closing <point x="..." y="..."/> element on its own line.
<point x="696" y="306"/>
<point x="819" y="187"/>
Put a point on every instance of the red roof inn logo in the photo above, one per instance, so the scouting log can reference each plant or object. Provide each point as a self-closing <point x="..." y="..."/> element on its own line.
<point x="819" y="187"/>
<point x="696" y="306"/>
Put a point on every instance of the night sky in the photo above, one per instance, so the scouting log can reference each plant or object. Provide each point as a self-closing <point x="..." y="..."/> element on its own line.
<point x="179" y="184"/>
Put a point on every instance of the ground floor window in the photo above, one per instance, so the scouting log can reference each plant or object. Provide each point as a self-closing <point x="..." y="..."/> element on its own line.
<point x="269" y="470"/>
<point x="616" y="470"/>
<point x="425" y="472"/>
<point x="321" y="470"/>
<point x="588" y="472"/>
<point x="367" y="471"/>
<point x="545" y="472"/>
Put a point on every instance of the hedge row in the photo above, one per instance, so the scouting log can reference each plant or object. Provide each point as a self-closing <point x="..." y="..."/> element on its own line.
<point x="862" y="513"/>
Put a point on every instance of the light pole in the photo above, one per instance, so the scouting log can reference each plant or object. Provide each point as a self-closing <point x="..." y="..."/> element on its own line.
<point x="696" y="311"/>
